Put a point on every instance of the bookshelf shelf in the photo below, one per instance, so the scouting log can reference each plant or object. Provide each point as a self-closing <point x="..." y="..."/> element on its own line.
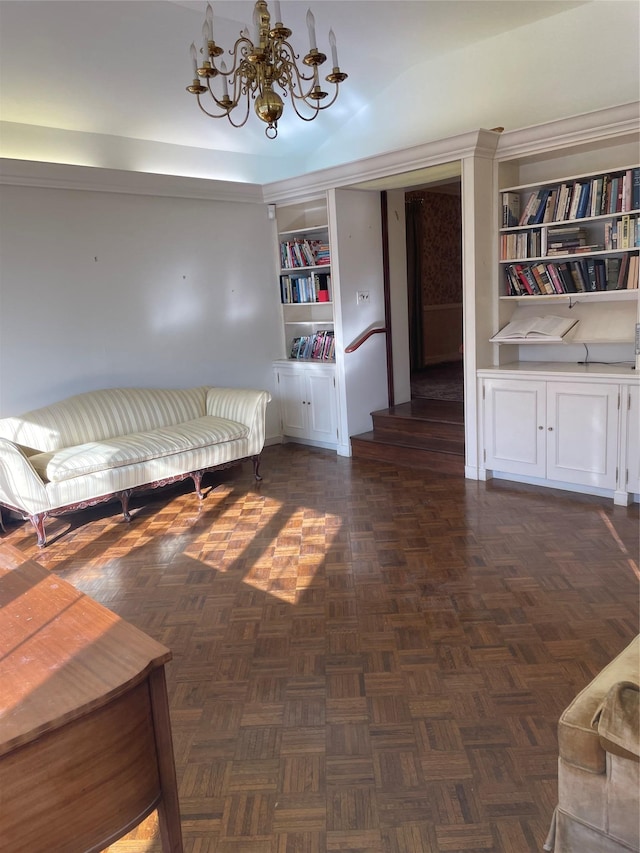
<point x="305" y="377"/>
<point x="574" y="235"/>
<point x="573" y="298"/>
<point x="306" y="292"/>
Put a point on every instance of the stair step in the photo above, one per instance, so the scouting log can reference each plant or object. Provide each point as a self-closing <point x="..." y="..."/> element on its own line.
<point x="424" y="431"/>
<point x="432" y="418"/>
<point x="440" y="440"/>
<point x="368" y="446"/>
<point x="429" y="410"/>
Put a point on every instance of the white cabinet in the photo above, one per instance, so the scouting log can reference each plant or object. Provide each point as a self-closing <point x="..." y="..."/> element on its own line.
<point x="582" y="433"/>
<point x="514" y="413"/>
<point x="307" y="396"/>
<point x="631" y="438"/>
<point x="561" y="431"/>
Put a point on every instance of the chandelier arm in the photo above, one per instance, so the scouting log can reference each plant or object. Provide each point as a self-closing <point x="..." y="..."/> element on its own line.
<point x="323" y="105"/>
<point x="287" y="57"/>
<point x="206" y="111"/>
<point x="226" y="112"/>
<point x="239" y="52"/>
<point x="315" y="109"/>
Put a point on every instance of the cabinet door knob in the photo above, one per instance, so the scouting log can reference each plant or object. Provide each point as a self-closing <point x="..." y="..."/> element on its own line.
<point x="550" y="429"/>
<point x="540" y="427"/>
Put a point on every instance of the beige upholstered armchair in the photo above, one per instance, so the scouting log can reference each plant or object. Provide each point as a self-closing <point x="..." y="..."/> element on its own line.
<point x="598" y="780"/>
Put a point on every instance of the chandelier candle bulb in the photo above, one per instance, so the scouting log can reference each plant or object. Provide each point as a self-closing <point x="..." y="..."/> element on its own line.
<point x="209" y="21"/>
<point x="256" y="27"/>
<point x="334" y="49"/>
<point x="223" y="72"/>
<point x="276" y="7"/>
<point x="194" y="59"/>
<point x="205" y="40"/>
<point x="311" y="26"/>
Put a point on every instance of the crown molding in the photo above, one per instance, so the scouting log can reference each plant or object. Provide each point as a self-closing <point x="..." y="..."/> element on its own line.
<point x="28" y="173"/>
<point x="612" y="123"/>
<point x="478" y="143"/>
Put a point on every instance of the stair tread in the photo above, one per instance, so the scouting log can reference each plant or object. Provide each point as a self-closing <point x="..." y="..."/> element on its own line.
<point x="439" y="411"/>
<point x="366" y="446"/>
<point x="412" y="442"/>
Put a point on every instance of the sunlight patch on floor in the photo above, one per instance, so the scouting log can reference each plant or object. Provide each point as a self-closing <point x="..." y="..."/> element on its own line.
<point x="614" y="534"/>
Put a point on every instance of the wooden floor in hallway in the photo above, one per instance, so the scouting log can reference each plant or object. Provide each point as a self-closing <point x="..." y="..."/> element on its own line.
<point x="366" y="658"/>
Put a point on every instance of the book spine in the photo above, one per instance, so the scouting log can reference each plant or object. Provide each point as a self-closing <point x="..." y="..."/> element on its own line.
<point x="528" y="208"/>
<point x="510" y="210"/>
<point x="623" y="273"/>
<point x="554" y="275"/>
<point x="635" y="188"/>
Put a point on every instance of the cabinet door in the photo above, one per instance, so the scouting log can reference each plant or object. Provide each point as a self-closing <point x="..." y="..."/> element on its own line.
<point x="514" y="417"/>
<point x="633" y="440"/>
<point x="582" y="433"/>
<point x="293" y="402"/>
<point x="321" y="405"/>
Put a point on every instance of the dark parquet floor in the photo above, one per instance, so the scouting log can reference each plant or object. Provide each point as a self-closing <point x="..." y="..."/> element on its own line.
<point x="366" y="658"/>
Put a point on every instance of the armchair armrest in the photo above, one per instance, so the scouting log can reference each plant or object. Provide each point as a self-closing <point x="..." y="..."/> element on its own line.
<point x="20" y="486"/>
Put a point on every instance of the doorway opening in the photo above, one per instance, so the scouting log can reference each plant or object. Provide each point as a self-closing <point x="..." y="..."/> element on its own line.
<point x="434" y="282"/>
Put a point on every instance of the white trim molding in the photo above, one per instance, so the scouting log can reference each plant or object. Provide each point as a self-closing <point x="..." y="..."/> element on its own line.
<point x="29" y="173"/>
<point x="478" y="143"/>
<point x="612" y="123"/>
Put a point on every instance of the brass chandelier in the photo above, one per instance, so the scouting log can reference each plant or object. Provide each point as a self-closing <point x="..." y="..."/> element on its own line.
<point x="260" y="64"/>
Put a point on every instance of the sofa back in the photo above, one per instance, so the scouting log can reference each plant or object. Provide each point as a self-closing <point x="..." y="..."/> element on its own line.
<point x="97" y="415"/>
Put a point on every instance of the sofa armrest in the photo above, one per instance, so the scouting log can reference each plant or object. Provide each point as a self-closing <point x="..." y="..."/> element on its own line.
<point x="243" y="405"/>
<point x="577" y="738"/>
<point x="20" y="486"/>
<point x="617" y="720"/>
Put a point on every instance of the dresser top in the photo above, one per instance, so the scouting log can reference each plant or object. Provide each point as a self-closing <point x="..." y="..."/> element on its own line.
<point x="62" y="654"/>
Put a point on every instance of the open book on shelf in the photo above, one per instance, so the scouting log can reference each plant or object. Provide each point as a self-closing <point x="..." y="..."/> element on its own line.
<point x="547" y="329"/>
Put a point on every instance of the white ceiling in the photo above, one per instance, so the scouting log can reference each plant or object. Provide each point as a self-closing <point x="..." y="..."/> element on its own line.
<point x="118" y="69"/>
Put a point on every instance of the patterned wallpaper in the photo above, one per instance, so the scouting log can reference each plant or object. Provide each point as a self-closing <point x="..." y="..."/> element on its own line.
<point x="441" y="245"/>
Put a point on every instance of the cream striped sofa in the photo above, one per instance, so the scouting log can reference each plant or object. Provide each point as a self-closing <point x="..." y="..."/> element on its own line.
<point x="108" y="443"/>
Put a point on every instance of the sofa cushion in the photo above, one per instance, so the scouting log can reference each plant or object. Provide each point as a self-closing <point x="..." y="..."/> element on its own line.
<point x="579" y="742"/>
<point x="98" y="415"/>
<point x="138" y="447"/>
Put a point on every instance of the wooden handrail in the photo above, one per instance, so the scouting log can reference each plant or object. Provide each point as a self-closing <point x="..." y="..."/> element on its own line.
<point x="382" y="330"/>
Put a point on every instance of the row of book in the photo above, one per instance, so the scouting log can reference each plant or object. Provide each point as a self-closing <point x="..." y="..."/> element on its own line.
<point x="320" y="346"/>
<point x="304" y="253"/>
<point x="617" y="192"/>
<point x="580" y="276"/>
<point x="305" y="289"/>
<point x="570" y="239"/>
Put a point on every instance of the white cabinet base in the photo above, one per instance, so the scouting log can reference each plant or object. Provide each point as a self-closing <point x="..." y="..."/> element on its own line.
<point x="306" y="393"/>
<point x="550" y="428"/>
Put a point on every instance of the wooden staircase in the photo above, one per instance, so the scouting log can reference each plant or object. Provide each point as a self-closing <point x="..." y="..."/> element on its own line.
<point x="426" y="434"/>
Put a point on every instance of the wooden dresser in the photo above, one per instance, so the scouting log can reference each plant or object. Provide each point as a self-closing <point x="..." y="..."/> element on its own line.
<point x="85" y="740"/>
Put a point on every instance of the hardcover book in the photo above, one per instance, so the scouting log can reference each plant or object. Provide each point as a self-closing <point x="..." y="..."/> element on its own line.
<point x="549" y="328"/>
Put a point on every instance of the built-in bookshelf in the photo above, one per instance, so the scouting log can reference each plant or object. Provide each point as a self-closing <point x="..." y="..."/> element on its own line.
<point x="580" y="235"/>
<point x="574" y="244"/>
<point x="306" y="293"/>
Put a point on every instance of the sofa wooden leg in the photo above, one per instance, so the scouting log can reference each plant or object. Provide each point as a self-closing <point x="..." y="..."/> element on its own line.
<point x="256" y="466"/>
<point x="124" y="500"/>
<point x="38" y="522"/>
<point x="196" y="476"/>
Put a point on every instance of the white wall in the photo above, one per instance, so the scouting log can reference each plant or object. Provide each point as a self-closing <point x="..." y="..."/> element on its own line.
<point x="355" y="223"/>
<point x="580" y="60"/>
<point x="101" y="289"/>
